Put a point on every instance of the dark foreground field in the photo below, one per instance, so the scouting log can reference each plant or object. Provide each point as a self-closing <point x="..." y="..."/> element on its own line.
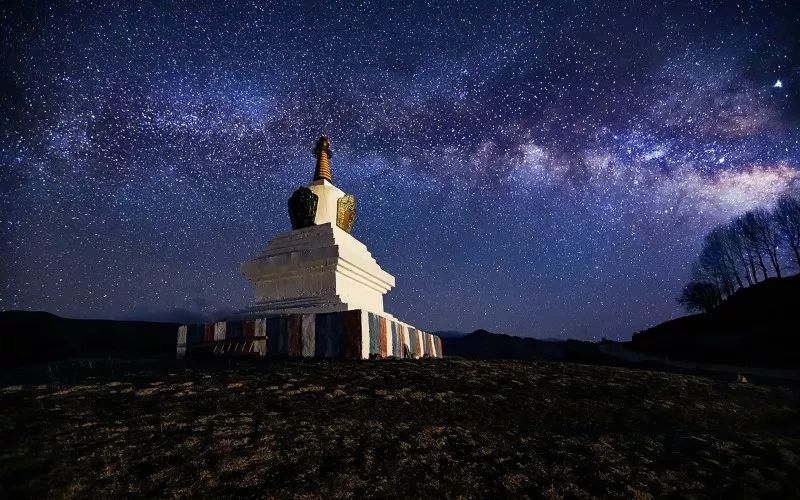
<point x="442" y="428"/>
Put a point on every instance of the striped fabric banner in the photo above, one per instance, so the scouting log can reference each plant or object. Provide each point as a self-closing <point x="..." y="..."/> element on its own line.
<point x="219" y="331"/>
<point x="294" y="324"/>
<point x="208" y="333"/>
<point x="194" y="334"/>
<point x="249" y="329"/>
<point x="395" y="351"/>
<point x="234" y="330"/>
<point x="277" y="336"/>
<point x="384" y="346"/>
<point x="183" y="333"/>
<point x="413" y="348"/>
<point x="328" y="335"/>
<point x="351" y="323"/>
<point x="374" y="335"/>
<point x="398" y="350"/>
<point x="260" y="327"/>
<point x="308" y="330"/>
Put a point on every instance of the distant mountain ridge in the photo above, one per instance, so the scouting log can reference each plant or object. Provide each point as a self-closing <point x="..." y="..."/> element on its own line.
<point x="758" y="325"/>
<point x="482" y="344"/>
<point x="447" y="334"/>
<point x="39" y="337"/>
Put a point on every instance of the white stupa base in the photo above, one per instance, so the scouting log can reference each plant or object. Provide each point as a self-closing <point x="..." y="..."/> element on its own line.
<point x="316" y="269"/>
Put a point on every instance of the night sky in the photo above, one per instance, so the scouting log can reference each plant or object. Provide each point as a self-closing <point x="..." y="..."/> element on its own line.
<point x="545" y="169"/>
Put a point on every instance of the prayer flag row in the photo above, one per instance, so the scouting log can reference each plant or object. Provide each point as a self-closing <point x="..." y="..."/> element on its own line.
<point x="356" y="334"/>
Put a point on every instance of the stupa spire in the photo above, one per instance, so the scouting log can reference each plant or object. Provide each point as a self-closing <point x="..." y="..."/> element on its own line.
<point x="322" y="150"/>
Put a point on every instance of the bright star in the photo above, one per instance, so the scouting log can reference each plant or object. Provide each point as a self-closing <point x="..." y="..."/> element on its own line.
<point x="778" y="84"/>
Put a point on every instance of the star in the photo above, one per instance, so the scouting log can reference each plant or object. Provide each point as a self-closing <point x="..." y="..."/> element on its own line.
<point x="778" y="84"/>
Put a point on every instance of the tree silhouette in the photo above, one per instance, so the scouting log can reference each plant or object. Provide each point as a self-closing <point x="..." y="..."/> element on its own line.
<point x="768" y="236"/>
<point x="733" y="255"/>
<point x="699" y="296"/>
<point x="749" y="226"/>
<point x="787" y="218"/>
<point x="747" y="251"/>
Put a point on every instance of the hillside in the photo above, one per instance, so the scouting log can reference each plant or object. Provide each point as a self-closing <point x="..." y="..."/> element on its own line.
<point x="408" y="429"/>
<point x="758" y="326"/>
<point x="37" y="337"/>
<point x="482" y="344"/>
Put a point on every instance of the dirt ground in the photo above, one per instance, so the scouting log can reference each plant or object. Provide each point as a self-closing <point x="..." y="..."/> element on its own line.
<point x="435" y="428"/>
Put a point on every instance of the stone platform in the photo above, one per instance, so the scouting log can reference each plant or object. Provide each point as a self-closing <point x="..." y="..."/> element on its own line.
<point x="355" y="334"/>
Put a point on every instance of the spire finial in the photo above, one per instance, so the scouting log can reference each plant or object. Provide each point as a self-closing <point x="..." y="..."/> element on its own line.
<point x="322" y="150"/>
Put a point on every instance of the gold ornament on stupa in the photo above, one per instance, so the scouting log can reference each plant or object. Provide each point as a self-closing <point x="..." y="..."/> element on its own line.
<point x="322" y="151"/>
<point x="346" y="212"/>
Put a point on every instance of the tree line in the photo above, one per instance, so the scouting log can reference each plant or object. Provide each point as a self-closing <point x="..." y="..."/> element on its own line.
<point x="750" y="248"/>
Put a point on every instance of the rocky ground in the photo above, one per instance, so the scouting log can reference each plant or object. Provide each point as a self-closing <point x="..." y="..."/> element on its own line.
<point x="442" y="428"/>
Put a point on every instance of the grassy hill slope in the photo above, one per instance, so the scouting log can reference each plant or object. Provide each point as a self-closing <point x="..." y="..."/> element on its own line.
<point x="758" y="325"/>
<point x="436" y="428"/>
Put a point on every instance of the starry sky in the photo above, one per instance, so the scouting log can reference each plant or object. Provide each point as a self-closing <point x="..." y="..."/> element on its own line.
<point x="544" y="169"/>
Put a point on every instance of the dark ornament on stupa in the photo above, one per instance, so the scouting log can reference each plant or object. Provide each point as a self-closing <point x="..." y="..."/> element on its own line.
<point x="303" y="208"/>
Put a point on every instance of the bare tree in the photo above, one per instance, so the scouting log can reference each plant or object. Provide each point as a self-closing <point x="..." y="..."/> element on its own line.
<point x="699" y="296"/>
<point x="715" y="264"/>
<point x="733" y="254"/>
<point x="757" y="229"/>
<point x="747" y="248"/>
<point x="738" y="249"/>
<point x="768" y="236"/>
<point x="729" y="251"/>
<point x="787" y="218"/>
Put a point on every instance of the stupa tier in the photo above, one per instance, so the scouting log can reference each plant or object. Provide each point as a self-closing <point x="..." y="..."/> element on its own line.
<point x="319" y="268"/>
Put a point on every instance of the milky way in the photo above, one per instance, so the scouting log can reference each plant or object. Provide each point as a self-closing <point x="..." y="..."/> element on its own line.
<point x="539" y="169"/>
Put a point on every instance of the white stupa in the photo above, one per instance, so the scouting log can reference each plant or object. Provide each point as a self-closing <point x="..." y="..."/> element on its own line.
<point x="319" y="292"/>
<point x="319" y="266"/>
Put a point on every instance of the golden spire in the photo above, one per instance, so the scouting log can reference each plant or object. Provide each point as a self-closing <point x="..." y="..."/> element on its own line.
<point x="322" y="150"/>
